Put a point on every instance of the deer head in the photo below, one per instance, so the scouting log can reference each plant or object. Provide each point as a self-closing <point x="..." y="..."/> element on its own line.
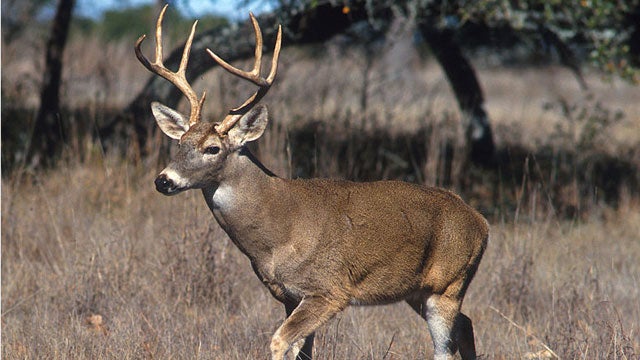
<point x="205" y="146"/>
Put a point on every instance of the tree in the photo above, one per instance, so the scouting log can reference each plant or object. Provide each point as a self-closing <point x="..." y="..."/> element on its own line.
<point x="48" y="134"/>
<point x="467" y="89"/>
<point x="602" y="30"/>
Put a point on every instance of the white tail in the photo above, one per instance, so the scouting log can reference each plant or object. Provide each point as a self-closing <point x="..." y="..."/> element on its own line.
<point x="321" y="245"/>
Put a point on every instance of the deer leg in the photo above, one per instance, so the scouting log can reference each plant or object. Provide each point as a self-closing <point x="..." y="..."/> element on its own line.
<point x="309" y="315"/>
<point x="449" y="329"/>
<point x="441" y="313"/>
<point x="463" y="335"/>
<point x="417" y="304"/>
<point x="301" y="349"/>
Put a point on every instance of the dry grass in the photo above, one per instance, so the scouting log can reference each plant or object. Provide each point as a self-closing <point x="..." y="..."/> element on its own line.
<point x="96" y="239"/>
<point x="97" y="265"/>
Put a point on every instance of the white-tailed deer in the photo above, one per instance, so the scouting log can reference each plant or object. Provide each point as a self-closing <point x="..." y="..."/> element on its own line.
<point x="321" y="245"/>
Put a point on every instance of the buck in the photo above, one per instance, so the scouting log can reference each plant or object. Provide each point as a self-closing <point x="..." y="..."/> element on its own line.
<point x="320" y="245"/>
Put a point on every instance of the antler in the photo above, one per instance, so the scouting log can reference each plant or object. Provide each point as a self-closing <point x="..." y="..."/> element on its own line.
<point x="177" y="78"/>
<point x="254" y="76"/>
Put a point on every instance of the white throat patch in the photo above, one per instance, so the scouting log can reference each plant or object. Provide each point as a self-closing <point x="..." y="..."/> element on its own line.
<point x="223" y="197"/>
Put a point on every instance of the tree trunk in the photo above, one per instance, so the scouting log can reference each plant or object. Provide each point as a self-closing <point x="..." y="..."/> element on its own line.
<point x="49" y="134"/>
<point x="465" y="85"/>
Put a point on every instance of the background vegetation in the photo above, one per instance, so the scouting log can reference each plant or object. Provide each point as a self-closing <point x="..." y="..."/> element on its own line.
<point x="97" y="265"/>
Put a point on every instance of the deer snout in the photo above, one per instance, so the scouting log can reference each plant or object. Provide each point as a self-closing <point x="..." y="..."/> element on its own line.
<point x="164" y="184"/>
<point x="170" y="182"/>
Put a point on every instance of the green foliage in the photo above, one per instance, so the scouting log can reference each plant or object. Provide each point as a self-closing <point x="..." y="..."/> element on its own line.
<point x="600" y="30"/>
<point x="81" y="25"/>
<point x="212" y="22"/>
<point x="602" y="27"/>
<point x="129" y="23"/>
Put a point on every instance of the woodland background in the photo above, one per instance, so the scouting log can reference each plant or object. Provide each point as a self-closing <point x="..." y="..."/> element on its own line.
<point x="539" y="131"/>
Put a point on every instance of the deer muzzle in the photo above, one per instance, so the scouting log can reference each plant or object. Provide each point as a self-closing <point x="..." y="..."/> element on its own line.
<point x="165" y="185"/>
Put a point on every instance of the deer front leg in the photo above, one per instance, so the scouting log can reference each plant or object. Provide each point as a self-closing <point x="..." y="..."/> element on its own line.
<point x="301" y="349"/>
<point x="306" y="318"/>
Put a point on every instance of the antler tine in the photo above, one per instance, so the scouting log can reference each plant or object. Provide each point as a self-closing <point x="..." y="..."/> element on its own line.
<point x="253" y="76"/>
<point x="177" y="78"/>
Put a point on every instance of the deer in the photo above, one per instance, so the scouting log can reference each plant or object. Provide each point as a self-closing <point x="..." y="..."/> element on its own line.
<point x="320" y="245"/>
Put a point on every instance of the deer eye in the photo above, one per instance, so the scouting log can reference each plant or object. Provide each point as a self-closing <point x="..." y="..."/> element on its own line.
<point x="212" y="150"/>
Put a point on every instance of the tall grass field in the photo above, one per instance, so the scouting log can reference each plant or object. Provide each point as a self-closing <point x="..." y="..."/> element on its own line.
<point x="98" y="265"/>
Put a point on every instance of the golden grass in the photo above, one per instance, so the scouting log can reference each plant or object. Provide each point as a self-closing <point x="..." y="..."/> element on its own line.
<point x="97" y="265"/>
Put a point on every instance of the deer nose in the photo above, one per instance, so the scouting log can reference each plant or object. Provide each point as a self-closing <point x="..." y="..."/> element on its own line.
<point x="163" y="184"/>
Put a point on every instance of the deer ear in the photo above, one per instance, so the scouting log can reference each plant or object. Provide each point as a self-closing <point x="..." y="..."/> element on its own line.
<point x="250" y="126"/>
<point x="171" y="122"/>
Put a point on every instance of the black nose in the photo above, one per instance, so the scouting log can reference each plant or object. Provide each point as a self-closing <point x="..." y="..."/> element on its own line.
<point x="163" y="184"/>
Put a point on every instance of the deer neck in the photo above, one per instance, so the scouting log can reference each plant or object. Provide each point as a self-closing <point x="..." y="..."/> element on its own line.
<point x="240" y="202"/>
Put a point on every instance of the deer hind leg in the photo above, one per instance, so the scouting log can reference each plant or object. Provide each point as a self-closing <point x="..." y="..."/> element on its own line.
<point x="463" y="333"/>
<point x="450" y="329"/>
<point x="305" y="319"/>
